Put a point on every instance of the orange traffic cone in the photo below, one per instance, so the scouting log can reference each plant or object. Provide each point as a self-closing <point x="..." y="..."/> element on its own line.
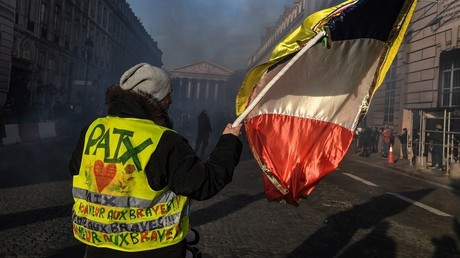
<point x="391" y="158"/>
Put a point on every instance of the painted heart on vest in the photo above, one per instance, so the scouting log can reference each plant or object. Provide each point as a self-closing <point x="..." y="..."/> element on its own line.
<point x="104" y="174"/>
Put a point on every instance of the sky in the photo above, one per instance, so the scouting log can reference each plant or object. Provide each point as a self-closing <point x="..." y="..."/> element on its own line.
<point x="226" y="32"/>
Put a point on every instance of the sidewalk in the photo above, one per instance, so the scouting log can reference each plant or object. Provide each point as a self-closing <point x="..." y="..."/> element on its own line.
<point x="405" y="166"/>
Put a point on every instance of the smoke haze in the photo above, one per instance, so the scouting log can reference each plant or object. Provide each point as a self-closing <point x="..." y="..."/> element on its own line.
<point x="226" y="32"/>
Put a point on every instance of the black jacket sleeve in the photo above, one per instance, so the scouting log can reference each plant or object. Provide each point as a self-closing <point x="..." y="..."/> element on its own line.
<point x="75" y="160"/>
<point x="175" y="164"/>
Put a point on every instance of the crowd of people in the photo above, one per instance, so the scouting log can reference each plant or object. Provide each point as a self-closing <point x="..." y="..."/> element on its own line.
<point x="378" y="140"/>
<point x="367" y="140"/>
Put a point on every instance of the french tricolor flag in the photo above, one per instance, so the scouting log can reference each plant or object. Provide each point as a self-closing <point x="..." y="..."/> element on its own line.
<point x="302" y="106"/>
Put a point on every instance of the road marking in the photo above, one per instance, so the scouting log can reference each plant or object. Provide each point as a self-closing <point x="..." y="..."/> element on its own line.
<point x="360" y="179"/>
<point x="407" y="175"/>
<point x="421" y="205"/>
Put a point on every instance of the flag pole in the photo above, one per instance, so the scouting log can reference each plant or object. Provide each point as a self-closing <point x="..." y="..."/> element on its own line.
<point x="277" y="77"/>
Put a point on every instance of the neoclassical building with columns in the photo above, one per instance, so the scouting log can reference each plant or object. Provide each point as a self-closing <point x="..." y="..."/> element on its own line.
<point x="197" y="86"/>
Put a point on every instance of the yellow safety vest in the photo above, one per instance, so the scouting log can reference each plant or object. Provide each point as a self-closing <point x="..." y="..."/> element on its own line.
<point x="114" y="205"/>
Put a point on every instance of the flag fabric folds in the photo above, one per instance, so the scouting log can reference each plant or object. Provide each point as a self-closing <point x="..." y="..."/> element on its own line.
<point x="302" y="127"/>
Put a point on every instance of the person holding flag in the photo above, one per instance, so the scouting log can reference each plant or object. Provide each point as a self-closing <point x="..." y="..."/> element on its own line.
<point x="134" y="176"/>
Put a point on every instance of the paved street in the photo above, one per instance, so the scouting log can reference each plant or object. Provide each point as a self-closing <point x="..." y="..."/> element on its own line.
<point x="338" y="220"/>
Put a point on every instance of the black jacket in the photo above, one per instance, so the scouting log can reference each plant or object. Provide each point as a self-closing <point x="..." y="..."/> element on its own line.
<point x="204" y="125"/>
<point x="403" y="137"/>
<point x="174" y="162"/>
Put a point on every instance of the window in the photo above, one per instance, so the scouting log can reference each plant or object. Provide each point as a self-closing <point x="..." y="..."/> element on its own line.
<point x="67" y="24"/>
<point x="97" y="44"/>
<point x="18" y="9"/>
<point x="390" y="89"/>
<point x="25" y="51"/>
<point x="41" y="58"/>
<point x="83" y="31"/>
<point x="43" y="19"/>
<point x="449" y="93"/>
<point x="57" y="17"/>
<point x="76" y="30"/>
<point x="105" y="16"/>
<point x="30" y="18"/>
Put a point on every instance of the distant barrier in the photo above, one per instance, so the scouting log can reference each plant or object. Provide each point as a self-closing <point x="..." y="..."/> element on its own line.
<point x="12" y="134"/>
<point x="29" y="132"/>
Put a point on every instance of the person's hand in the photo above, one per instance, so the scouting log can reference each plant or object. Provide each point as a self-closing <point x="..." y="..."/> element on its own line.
<point x="233" y="130"/>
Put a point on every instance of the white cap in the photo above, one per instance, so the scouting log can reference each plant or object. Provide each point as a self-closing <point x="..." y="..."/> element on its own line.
<point x="144" y="78"/>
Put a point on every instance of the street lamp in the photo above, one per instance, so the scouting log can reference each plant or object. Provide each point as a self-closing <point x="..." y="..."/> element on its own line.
<point x="89" y="45"/>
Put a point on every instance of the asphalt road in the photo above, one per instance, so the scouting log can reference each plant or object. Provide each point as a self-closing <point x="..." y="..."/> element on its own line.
<point x="361" y="210"/>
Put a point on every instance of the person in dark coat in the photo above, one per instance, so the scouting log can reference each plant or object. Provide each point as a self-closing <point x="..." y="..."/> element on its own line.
<point x="415" y="144"/>
<point x="204" y="129"/>
<point x="437" y="147"/>
<point x="375" y="136"/>
<point x="403" y="140"/>
<point x="456" y="147"/>
<point x="134" y="176"/>
<point x="365" y="137"/>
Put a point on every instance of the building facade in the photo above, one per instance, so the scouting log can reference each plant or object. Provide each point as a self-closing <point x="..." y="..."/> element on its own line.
<point x="197" y="86"/>
<point x="7" y="8"/>
<point x="289" y="20"/>
<point x="421" y="90"/>
<point x="68" y="52"/>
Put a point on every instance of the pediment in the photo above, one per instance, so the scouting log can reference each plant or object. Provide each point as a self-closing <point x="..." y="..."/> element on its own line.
<point x="203" y="67"/>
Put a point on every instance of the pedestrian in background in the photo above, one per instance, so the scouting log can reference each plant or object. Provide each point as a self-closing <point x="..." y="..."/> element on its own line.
<point x="456" y="147"/>
<point x="357" y="139"/>
<point x="375" y="137"/>
<point x="203" y="131"/>
<point x="415" y="144"/>
<point x="365" y="138"/>
<point x="134" y="177"/>
<point x="403" y="140"/>
<point x="392" y="137"/>
<point x="386" y="138"/>
<point x="436" y="147"/>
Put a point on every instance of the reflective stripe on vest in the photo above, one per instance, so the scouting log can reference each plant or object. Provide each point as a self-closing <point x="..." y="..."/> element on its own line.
<point x="114" y="204"/>
<point x="127" y="201"/>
